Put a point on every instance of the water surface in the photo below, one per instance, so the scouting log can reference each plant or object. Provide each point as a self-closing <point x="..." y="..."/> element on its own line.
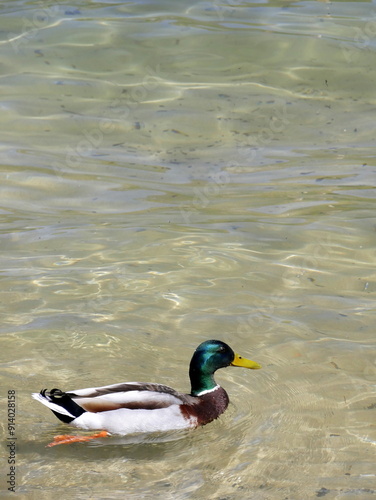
<point x="178" y="171"/>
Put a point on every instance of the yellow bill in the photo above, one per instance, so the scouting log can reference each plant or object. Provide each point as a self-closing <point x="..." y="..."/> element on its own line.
<point x="245" y="363"/>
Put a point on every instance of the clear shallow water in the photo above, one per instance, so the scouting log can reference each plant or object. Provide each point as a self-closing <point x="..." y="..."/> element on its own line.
<point x="177" y="171"/>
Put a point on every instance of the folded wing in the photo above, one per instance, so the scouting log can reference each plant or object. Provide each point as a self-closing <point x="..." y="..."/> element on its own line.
<point x="131" y="395"/>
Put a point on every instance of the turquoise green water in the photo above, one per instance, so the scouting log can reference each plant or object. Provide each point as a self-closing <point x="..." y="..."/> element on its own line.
<point x="178" y="171"/>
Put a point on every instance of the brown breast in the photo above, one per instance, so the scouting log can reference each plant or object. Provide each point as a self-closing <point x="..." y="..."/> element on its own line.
<point x="207" y="407"/>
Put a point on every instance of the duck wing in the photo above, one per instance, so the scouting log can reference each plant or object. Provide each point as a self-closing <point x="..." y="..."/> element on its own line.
<point x="131" y="395"/>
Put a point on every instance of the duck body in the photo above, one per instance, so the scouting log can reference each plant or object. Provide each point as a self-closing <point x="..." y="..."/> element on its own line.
<point x="136" y="407"/>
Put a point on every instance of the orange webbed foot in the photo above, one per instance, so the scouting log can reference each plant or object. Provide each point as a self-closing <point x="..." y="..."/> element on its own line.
<point x="67" y="439"/>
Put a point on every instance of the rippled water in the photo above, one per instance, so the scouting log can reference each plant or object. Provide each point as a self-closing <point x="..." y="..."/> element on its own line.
<point x="178" y="171"/>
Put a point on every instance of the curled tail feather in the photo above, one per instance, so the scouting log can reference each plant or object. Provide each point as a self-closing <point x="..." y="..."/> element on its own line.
<point x="60" y="404"/>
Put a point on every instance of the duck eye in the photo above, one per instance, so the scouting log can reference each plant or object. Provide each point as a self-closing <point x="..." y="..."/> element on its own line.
<point x="221" y="348"/>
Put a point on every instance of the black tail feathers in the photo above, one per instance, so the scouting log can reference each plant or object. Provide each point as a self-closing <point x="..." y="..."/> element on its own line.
<point x="60" y="398"/>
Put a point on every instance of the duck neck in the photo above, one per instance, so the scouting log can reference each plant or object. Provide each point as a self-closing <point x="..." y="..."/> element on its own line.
<point x="200" y="381"/>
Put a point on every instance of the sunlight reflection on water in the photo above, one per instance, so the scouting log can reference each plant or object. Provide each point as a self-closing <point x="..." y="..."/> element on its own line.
<point x="173" y="172"/>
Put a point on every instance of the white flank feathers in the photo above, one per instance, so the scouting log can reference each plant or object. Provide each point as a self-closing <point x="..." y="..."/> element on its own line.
<point x="124" y="421"/>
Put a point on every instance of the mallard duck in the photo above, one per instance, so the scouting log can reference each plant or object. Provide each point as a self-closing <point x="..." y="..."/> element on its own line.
<point x="137" y="407"/>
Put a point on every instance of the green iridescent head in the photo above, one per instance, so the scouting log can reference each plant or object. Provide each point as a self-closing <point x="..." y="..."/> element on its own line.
<point x="209" y="357"/>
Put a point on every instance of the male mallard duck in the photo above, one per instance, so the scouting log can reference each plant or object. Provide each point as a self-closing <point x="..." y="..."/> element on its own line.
<point x="135" y="407"/>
